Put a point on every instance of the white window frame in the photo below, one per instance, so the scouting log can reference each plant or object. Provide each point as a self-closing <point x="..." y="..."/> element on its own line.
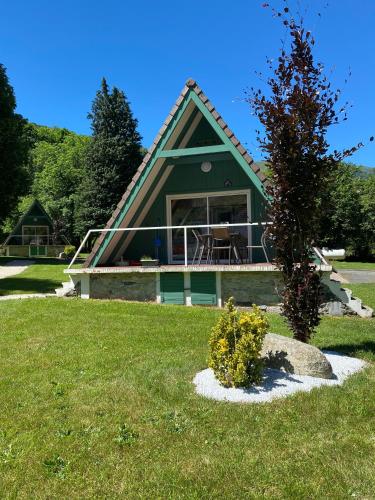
<point x="34" y="226"/>
<point x="207" y="195"/>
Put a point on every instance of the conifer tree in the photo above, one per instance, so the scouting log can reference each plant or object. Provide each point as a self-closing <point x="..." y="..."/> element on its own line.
<point x="14" y="147"/>
<point x="112" y="158"/>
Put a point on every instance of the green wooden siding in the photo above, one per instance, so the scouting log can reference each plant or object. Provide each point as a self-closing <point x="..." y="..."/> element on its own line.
<point x="190" y="179"/>
<point x="204" y="135"/>
<point x="203" y="288"/>
<point x="172" y="288"/>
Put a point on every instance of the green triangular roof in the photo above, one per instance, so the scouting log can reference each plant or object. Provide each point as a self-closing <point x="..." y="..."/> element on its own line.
<point x="190" y="97"/>
<point x="35" y="210"/>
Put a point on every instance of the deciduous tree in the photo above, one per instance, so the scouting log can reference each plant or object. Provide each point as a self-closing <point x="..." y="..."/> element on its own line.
<point x="347" y="212"/>
<point x="14" y="145"/>
<point x="296" y="112"/>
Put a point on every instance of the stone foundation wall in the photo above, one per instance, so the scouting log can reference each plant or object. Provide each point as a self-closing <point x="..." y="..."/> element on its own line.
<point x="251" y="288"/>
<point x="261" y="288"/>
<point x="127" y="286"/>
<point x="17" y="250"/>
<point x="55" y="250"/>
<point x="24" y="250"/>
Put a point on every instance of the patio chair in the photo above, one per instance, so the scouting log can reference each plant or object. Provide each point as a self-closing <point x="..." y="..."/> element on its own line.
<point x="262" y="246"/>
<point x="202" y="245"/>
<point x="221" y="240"/>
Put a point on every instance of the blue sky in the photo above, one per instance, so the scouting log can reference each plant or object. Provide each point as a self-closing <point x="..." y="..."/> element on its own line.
<point x="57" y="52"/>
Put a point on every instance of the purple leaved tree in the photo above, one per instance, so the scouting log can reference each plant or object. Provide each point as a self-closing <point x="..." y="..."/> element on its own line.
<point x="296" y="110"/>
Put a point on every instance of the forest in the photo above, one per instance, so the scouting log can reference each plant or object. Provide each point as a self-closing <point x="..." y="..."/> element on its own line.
<point x="80" y="179"/>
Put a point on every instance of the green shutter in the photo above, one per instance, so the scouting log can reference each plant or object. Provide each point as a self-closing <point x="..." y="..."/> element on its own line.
<point x="203" y="288"/>
<point x="172" y="288"/>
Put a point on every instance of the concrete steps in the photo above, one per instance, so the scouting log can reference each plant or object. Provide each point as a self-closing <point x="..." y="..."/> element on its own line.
<point x="67" y="289"/>
<point x="356" y="305"/>
<point x="345" y="296"/>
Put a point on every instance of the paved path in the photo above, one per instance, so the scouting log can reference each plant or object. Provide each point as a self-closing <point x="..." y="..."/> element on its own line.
<point x="338" y="277"/>
<point x="355" y="276"/>
<point x="14" y="267"/>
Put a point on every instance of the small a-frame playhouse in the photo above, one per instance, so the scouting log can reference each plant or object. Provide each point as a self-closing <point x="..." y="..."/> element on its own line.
<point x="33" y="235"/>
<point x="189" y="228"/>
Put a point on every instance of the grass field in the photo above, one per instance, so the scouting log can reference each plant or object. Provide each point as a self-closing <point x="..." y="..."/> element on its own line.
<point x="360" y="266"/>
<point x="41" y="277"/>
<point x="97" y="401"/>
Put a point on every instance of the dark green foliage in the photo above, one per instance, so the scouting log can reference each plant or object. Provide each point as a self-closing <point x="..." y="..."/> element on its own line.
<point x="70" y="250"/>
<point x="14" y="146"/>
<point x="348" y="213"/>
<point x="368" y="215"/>
<point x="55" y="171"/>
<point x="296" y="113"/>
<point x="112" y="158"/>
<point x="58" y="163"/>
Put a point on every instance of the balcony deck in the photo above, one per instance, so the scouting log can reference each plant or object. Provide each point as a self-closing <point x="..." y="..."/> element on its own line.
<point x="175" y="268"/>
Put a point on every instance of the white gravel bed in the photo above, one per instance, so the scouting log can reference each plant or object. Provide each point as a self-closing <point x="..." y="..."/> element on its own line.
<point x="276" y="384"/>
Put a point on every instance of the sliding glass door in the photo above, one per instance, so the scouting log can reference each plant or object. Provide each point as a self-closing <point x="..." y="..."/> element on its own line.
<point x="210" y="208"/>
<point x="184" y="212"/>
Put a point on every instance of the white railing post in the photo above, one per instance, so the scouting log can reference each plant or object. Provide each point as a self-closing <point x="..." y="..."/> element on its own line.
<point x="80" y="248"/>
<point x="185" y="245"/>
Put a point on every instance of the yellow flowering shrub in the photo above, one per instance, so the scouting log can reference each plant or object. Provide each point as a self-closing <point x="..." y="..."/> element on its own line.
<point x="235" y="345"/>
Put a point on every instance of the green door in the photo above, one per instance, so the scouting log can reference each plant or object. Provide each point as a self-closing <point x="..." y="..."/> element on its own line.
<point x="33" y="251"/>
<point x="172" y="288"/>
<point x="37" y="250"/>
<point x="203" y="288"/>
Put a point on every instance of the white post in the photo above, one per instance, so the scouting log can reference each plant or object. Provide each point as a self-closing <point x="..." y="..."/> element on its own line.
<point x="158" y="296"/>
<point x="85" y="286"/>
<point x="185" y="245"/>
<point x="80" y="248"/>
<point x="187" y="289"/>
<point x="218" y="289"/>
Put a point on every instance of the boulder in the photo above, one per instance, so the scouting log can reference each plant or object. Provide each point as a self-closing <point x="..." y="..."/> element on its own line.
<point x="293" y="356"/>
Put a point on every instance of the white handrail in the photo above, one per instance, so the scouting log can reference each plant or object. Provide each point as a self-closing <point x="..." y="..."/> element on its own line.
<point x="48" y="238"/>
<point x="158" y="228"/>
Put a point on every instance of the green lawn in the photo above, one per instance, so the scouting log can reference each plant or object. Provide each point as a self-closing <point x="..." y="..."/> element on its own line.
<point x="365" y="291"/>
<point x="97" y="401"/>
<point x="343" y="264"/>
<point x="42" y="277"/>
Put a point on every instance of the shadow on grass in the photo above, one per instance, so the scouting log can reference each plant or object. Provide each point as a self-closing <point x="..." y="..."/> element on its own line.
<point x="34" y="260"/>
<point x="17" y="285"/>
<point x="365" y="347"/>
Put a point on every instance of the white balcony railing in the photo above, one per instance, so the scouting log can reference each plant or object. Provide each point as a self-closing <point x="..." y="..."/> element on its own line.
<point x="37" y="240"/>
<point x="185" y="230"/>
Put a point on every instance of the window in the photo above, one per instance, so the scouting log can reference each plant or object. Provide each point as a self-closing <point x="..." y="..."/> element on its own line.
<point x="35" y="235"/>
